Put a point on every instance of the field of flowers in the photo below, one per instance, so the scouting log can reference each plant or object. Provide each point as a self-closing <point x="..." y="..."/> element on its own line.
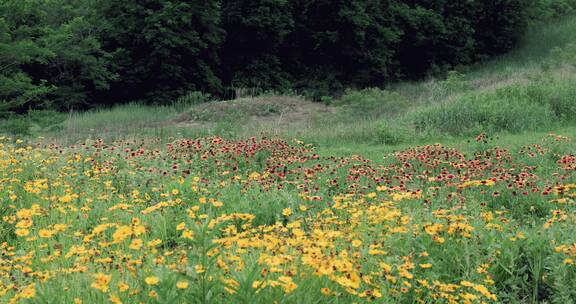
<point x="269" y="221"/>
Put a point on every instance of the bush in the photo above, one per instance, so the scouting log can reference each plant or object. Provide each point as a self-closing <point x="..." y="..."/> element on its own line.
<point x="560" y="56"/>
<point x="506" y="109"/>
<point x="559" y="96"/>
<point x="190" y="99"/>
<point x="456" y="82"/>
<point x="15" y="126"/>
<point x="390" y="135"/>
<point x="34" y="121"/>
<point x="542" y="10"/>
<point x="372" y="103"/>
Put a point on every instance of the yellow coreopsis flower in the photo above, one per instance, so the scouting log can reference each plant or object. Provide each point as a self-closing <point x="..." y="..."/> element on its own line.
<point x="154" y="243"/>
<point x="22" y="232"/>
<point x="46" y="233"/>
<point x="123" y="286"/>
<point x="101" y="281"/>
<point x="356" y="243"/>
<point x="28" y="292"/>
<point x="136" y="244"/>
<point x="121" y="233"/>
<point x="187" y="234"/>
<point x="287" y="212"/>
<point x="114" y="299"/>
<point x="152" y="280"/>
<point x="199" y="268"/>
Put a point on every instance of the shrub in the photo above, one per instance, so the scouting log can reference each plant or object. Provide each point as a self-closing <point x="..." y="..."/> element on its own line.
<point x="372" y="103"/>
<point x="504" y="110"/>
<point x="45" y="119"/>
<point x="190" y="99"/>
<point x="456" y="82"/>
<point x="15" y="126"/>
<point x="327" y="100"/>
<point x="542" y="10"/>
<point x="390" y="135"/>
<point x="560" y="56"/>
<point x="559" y="96"/>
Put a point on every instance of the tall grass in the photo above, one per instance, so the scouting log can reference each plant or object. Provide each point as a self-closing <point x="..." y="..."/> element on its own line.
<point x="128" y="117"/>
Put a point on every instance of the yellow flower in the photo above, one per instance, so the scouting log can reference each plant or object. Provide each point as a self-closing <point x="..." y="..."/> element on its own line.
<point x="356" y="243"/>
<point x="45" y="233"/>
<point x="187" y="234"/>
<point x="199" y="268"/>
<point x="28" y="292"/>
<point x="60" y="227"/>
<point x="136" y="244"/>
<point x="121" y="233"/>
<point x="484" y="291"/>
<point x="101" y="281"/>
<point x="254" y="176"/>
<point x="467" y="283"/>
<point x="386" y="267"/>
<point x="287" y="212"/>
<point x="426" y="266"/>
<point x="182" y="285"/>
<point x="26" y="223"/>
<point x="114" y="299"/>
<point x="325" y="291"/>
<point x="287" y="284"/>
<point x="152" y="280"/>
<point x="257" y="284"/>
<point x="154" y="243"/>
<point x="123" y="286"/>
<point x="22" y="232"/>
<point x="181" y="226"/>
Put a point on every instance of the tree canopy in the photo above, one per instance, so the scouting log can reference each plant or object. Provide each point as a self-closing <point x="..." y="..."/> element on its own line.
<point x="63" y="54"/>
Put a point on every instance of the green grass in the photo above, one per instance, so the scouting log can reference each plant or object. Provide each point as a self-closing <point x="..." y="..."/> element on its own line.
<point x="511" y="141"/>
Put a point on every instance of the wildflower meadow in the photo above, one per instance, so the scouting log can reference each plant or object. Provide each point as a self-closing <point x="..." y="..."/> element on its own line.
<point x="265" y="220"/>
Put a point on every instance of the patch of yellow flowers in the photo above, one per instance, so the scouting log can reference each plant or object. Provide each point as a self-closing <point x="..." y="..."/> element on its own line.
<point x="79" y="224"/>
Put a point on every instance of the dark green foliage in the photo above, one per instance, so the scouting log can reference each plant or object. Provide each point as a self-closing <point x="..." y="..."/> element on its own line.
<point x="550" y="9"/>
<point x="344" y="42"/>
<point x="163" y="48"/>
<point x="256" y="31"/>
<point x="50" y="55"/>
<point x="71" y="54"/>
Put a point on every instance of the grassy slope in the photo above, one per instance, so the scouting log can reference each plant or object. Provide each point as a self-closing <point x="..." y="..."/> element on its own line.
<point x="535" y="63"/>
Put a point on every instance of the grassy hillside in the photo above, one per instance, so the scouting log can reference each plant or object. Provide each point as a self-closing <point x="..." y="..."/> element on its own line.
<point x="530" y="89"/>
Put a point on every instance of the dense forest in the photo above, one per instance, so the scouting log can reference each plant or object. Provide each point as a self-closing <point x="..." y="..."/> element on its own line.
<point x="77" y="54"/>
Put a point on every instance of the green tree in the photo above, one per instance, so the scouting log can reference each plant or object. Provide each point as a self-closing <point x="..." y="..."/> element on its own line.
<point x="346" y="42"/>
<point x="163" y="48"/>
<point x="79" y="68"/>
<point x="253" y="53"/>
<point x="18" y="47"/>
<point x="50" y="55"/>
